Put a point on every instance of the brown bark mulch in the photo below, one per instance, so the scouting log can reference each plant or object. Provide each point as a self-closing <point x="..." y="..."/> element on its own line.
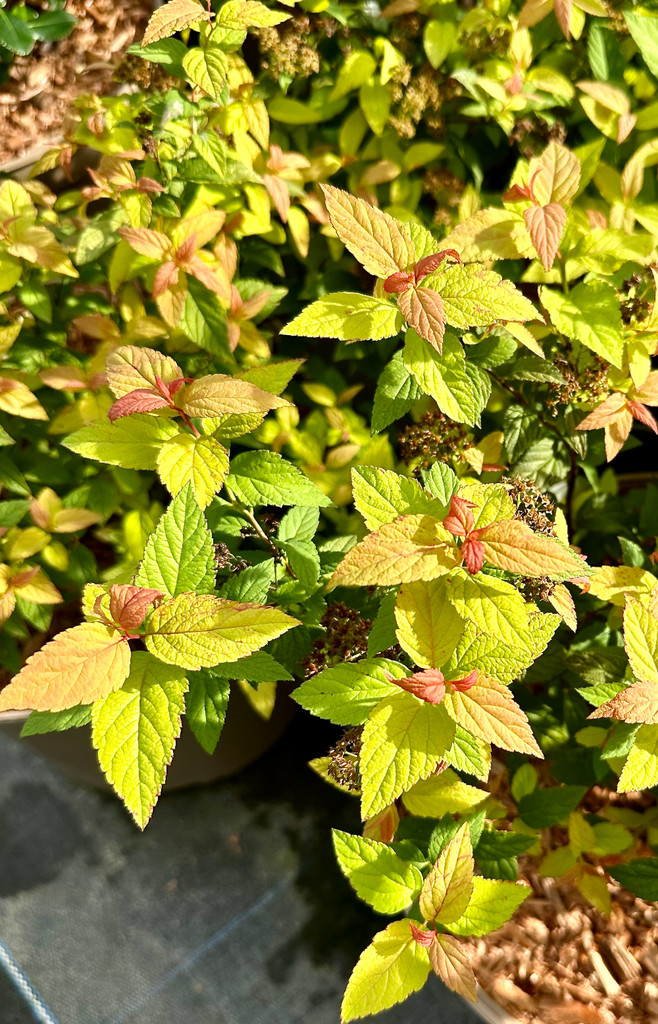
<point x="559" y="961"/>
<point x="34" y="101"/>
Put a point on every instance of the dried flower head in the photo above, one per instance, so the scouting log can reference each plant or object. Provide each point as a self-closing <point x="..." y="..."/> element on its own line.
<point x="346" y="637"/>
<point x="435" y="438"/>
<point x="536" y="588"/>
<point x="285" y="50"/>
<point x="344" y="758"/>
<point x="532" y="506"/>
<point x="587" y="385"/>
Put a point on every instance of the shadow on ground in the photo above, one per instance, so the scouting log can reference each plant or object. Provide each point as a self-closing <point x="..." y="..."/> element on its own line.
<point x="228" y="909"/>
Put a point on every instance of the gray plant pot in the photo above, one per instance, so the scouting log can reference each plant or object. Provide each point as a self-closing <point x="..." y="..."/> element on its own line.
<point x="245" y="737"/>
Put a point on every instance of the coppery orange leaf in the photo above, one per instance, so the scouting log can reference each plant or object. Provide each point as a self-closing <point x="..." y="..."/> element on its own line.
<point x="147" y="242"/>
<point x="616" y="433"/>
<point x="564" y="605"/>
<point x="79" y="666"/>
<point x="639" y="703"/>
<point x="129" y="604"/>
<point x="605" y="413"/>
<point x="545" y="225"/>
<point x="380" y="243"/>
<point x="511" y="544"/>
<point x="449" y="961"/>
<point x="423" y="310"/>
<point x="563" y="10"/>
<point x="489" y="711"/>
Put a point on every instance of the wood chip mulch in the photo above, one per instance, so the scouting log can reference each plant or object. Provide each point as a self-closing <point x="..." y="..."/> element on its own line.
<point x="559" y="961"/>
<point x="33" y="103"/>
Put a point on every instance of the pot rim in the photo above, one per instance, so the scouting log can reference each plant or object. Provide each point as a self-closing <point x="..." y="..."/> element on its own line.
<point x="8" y="717"/>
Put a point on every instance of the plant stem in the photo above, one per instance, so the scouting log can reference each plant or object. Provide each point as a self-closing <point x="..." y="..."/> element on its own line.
<point x="563" y="275"/>
<point x="571" y="490"/>
<point x="186" y="419"/>
<point x="251" y="519"/>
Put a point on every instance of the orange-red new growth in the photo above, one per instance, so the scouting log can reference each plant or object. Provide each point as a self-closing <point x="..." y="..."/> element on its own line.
<point x="402" y="279"/>
<point x="429" y="684"/>
<point x="423" y="937"/>
<point x="460" y="523"/>
<point x="148" y="399"/>
<point x="128" y="607"/>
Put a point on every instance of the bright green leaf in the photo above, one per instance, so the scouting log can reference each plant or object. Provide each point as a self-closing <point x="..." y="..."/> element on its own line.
<point x="134" y="730"/>
<point x="265" y="478"/>
<point x="403" y="741"/>
<point x="381" y="495"/>
<point x="492" y="904"/>
<point x="376" y="873"/>
<point x="396" y="393"/>
<point x="206" y="702"/>
<point x="346" y="694"/>
<point x="460" y="389"/>
<point x="179" y="555"/>
<point x="132" y="442"/>
<point x="590" y="314"/>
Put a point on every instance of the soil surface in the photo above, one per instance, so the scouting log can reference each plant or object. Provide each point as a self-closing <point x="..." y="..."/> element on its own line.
<point x="34" y="101"/>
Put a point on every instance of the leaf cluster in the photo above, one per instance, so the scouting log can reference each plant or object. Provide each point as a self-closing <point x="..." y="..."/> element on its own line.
<point x="315" y="378"/>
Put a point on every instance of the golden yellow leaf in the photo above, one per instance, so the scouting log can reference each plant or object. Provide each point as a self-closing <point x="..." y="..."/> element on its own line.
<point x="428" y="627"/>
<point x="615" y="583"/>
<point x="37" y="588"/>
<point x="564" y="605"/>
<point x="489" y="711"/>
<point x="222" y="395"/>
<point x="641" y="640"/>
<point x="448" y="886"/>
<point x="410" y="548"/>
<point x="379" y="242"/>
<point x="130" y="367"/>
<point x="512" y="545"/>
<point x="18" y="400"/>
<point x="556" y="175"/>
<point x="201" y="461"/>
<point x="441" y="794"/>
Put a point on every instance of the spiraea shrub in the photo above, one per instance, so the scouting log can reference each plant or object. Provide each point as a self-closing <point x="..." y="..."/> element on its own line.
<point x="329" y="372"/>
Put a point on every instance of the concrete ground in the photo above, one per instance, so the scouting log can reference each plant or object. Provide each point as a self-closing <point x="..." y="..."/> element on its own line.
<point x="228" y="909"/>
